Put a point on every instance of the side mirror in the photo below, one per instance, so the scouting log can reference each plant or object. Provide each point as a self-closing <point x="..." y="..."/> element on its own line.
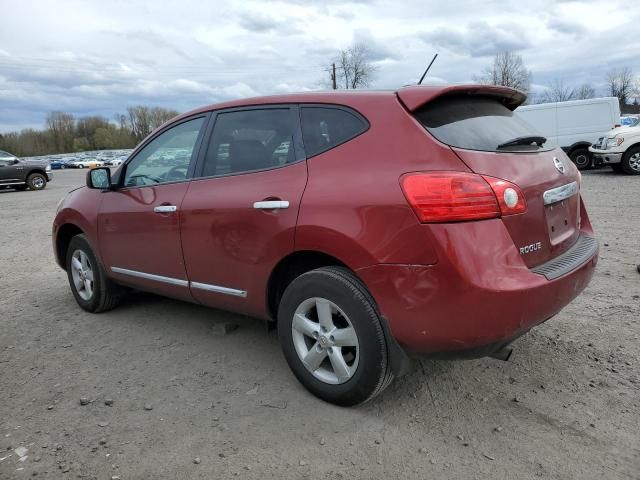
<point x="15" y="160"/>
<point x="99" y="178"/>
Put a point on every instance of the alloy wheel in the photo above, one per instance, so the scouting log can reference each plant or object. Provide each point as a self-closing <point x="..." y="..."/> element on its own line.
<point x="82" y="274"/>
<point x="634" y="162"/>
<point x="325" y="340"/>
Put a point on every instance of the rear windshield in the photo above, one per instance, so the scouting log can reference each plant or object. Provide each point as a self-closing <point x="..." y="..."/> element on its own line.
<point x="477" y="123"/>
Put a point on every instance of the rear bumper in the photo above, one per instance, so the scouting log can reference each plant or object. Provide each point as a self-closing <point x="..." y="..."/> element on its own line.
<point x="474" y="300"/>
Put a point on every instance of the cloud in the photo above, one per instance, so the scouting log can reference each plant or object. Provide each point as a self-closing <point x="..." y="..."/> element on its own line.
<point x="566" y="26"/>
<point x="378" y="50"/>
<point x="478" y="39"/>
<point x="92" y="58"/>
<point x="257" y="22"/>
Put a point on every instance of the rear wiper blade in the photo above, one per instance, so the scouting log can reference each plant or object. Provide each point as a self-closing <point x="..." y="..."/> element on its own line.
<point x="528" y="140"/>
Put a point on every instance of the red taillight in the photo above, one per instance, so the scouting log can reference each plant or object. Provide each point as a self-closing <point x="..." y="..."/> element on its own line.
<point x="460" y="196"/>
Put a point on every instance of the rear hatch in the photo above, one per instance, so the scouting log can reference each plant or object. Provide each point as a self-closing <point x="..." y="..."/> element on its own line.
<point x="485" y="134"/>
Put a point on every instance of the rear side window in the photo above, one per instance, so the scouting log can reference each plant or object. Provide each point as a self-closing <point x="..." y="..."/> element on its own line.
<point x="476" y="123"/>
<point x="327" y="127"/>
<point x="249" y="140"/>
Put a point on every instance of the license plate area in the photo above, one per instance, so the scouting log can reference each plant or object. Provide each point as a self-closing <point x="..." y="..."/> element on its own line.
<point x="562" y="220"/>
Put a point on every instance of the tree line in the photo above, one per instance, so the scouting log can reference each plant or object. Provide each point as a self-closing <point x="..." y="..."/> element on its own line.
<point x="508" y="70"/>
<point x="63" y="133"/>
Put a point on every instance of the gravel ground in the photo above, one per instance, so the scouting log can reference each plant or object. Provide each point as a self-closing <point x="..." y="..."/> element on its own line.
<point x="168" y="397"/>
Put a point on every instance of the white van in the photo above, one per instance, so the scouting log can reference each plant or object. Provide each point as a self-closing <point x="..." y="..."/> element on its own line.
<point x="574" y="125"/>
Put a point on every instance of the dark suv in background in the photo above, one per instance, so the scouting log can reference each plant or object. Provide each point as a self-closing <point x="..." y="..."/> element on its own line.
<point x="22" y="174"/>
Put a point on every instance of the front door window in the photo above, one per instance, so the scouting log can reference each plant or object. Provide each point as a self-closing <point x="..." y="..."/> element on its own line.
<point x="166" y="158"/>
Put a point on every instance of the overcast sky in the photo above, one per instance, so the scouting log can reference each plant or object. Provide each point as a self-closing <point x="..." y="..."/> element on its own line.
<point x="98" y="57"/>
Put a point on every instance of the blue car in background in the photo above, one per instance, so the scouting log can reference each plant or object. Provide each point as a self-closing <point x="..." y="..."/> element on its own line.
<point x="629" y="121"/>
<point x="58" y="164"/>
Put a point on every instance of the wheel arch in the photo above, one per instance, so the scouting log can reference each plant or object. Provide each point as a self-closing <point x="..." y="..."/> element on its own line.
<point x="581" y="144"/>
<point x="633" y="145"/>
<point x="65" y="233"/>
<point x="36" y="170"/>
<point x="290" y="267"/>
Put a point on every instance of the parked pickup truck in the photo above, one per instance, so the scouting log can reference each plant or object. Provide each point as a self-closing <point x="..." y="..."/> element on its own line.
<point x="619" y="148"/>
<point x="22" y="174"/>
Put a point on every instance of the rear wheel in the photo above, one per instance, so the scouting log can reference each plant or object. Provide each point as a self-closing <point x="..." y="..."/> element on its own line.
<point x="36" y="181"/>
<point x="91" y="287"/>
<point x="582" y="158"/>
<point x="631" y="161"/>
<point x="332" y="337"/>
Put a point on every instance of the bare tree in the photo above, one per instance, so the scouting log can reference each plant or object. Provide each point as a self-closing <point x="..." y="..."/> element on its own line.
<point x="354" y="68"/>
<point x="585" y="91"/>
<point x="143" y="120"/>
<point x="621" y="84"/>
<point x="60" y="127"/>
<point x="557" y="92"/>
<point x="507" y="70"/>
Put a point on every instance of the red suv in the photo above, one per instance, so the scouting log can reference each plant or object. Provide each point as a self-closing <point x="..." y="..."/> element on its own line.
<point x="429" y="220"/>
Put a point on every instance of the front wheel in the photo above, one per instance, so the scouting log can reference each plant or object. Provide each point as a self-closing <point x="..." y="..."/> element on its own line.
<point x="582" y="158"/>
<point x="91" y="287"/>
<point x="332" y="337"/>
<point x="36" y="181"/>
<point x="631" y="161"/>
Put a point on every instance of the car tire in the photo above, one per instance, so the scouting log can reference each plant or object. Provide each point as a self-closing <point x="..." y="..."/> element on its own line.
<point x="581" y="158"/>
<point x="92" y="289"/>
<point x="328" y="317"/>
<point x="631" y="161"/>
<point x="617" y="167"/>
<point x="36" y="181"/>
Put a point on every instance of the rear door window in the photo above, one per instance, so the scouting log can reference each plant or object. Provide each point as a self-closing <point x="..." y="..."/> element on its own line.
<point x="325" y="127"/>
<point x="250" y="140"/>
<point x="476" y="123"/>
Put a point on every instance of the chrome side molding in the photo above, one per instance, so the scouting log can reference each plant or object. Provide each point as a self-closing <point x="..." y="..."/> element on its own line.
<point x="181" y="283"/>
<point x="558" y="194"/>
<point x="150" y="276"/>
<point x="219" y="289"/>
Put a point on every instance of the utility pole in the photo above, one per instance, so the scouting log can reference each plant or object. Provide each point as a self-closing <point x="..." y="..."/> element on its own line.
<point x="333" y="76"/>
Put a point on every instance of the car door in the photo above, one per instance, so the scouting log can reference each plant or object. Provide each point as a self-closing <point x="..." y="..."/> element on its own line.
<point x="239" y="215"/>
<point x="138" y="223"/>
<point x="8" y="173"/>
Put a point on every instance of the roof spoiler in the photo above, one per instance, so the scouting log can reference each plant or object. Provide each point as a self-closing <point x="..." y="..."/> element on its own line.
<point x="416" y="96"/>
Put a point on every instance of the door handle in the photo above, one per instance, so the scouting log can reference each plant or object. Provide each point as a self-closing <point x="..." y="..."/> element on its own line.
<point x="271" y="204"/>
<point x="165" y="209"/>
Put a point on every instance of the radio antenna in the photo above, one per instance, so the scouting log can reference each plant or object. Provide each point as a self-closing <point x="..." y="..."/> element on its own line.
<point x="427" y="70"/>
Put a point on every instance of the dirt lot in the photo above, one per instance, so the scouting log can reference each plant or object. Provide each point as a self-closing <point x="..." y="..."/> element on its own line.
<point x="567" y="405"/>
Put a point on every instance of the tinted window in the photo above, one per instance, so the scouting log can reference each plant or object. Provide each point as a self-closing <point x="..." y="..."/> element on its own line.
<point x="475" y="123"/>
<point x="250" y="140"/>
<point x="324" y="128"/>
<point x="166" y="158"/>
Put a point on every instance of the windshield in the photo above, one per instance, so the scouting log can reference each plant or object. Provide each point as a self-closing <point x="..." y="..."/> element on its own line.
<point x="479" y="123"/>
